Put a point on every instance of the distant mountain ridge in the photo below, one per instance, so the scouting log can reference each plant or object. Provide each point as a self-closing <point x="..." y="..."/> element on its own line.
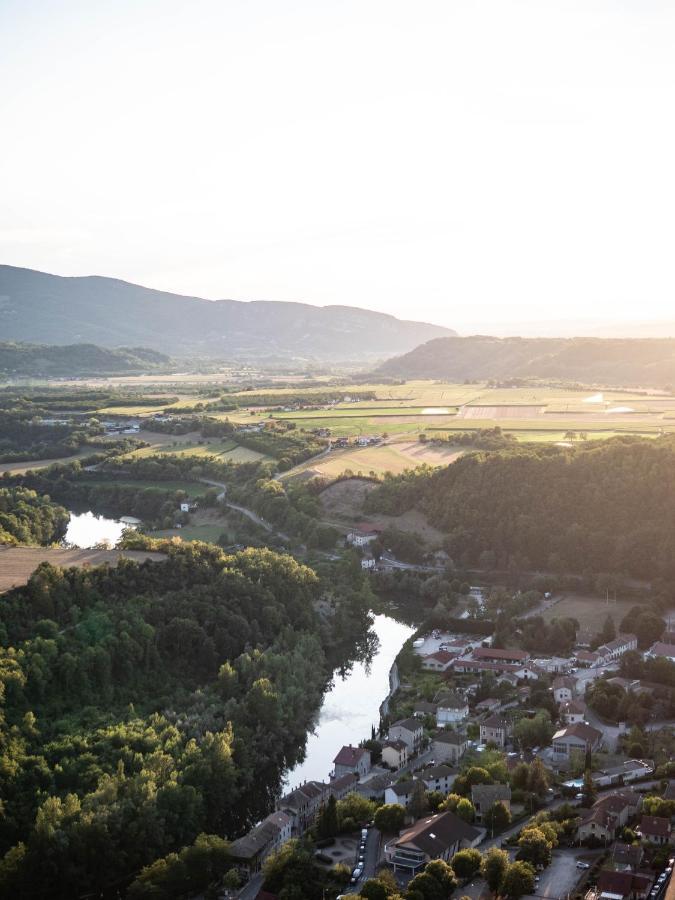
<point x="37" y="360"/>
<point x="40" y="308"/>
<point x="648" y="362"/>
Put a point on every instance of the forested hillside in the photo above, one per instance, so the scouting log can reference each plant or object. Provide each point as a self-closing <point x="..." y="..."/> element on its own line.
<point x="38" y="307"/>
<point x="29" y="518"/>
<point x="603" y="507"/>
<point x="648" y="362"/>
<point x="35" y="360"/>
<point x="147" y="704"/>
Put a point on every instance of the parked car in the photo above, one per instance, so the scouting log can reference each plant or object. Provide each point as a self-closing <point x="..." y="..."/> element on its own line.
<point x="356" y="874"/>
<point x="583" y="865"/>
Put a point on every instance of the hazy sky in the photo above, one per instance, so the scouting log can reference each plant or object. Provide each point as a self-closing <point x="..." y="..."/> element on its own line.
<point x="462" y="162"/>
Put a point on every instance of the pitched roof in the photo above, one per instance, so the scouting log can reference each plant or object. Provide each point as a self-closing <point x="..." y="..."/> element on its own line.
<point x="497" y="653"/>
<point x="496" y="722"/>
<point x="487" y="794"/>
<point x="350" y="756"/>
<point x="619" y="642"/>
<point x="456" y="738"/>
<point x="410" y="724"/>
<point x="344" y="781"/>
<point x="622" y="883"/>
<point x="395" y="745"/>
<point x="587" y="656"/>
<point x="261" y="836"/>
<point x="627" y="854"/>
<point x="403" y="788"/>
<point x="436" y="772"/>
<point x="424" y="707"/>
<point x="564" y="681"/>
<point x="579" y="730"/>
<point x="436" y="834"/>
<point x="451" y="700"/>
<point x="655" y="825"/>
<point x="441" y="656"/>
<point x="572" y="708"/>
<point x="661" y="649"/>
<point x="488" y="703"/>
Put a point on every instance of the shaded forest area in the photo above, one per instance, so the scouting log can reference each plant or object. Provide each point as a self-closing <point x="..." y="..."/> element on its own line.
<point x="603" y="507"/>
<point x="144" y="705"/>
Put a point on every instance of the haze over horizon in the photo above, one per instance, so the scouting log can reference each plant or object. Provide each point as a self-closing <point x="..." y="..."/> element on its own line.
<point x="364" y="154"/>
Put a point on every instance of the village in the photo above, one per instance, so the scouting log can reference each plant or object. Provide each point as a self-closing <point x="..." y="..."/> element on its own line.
<point x="469" y="756"/>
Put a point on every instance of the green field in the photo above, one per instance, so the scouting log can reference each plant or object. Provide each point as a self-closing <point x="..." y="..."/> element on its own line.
<point x="225" y="451"/>
<point x="208" y="533"/>
<point x="540" y="414"/>
<point x="590" y="612"/>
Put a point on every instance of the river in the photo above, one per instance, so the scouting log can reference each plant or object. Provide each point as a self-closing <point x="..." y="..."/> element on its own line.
<point x="351" y="706"/>
<point x="87" y="530"/>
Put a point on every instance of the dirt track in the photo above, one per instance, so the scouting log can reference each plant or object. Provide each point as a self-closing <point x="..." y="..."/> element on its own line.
<point x="17" y="564"/>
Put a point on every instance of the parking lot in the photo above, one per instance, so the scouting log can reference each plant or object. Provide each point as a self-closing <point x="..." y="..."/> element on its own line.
<point x="560" y="879"/>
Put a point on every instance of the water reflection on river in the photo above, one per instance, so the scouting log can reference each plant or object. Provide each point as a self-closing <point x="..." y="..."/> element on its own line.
<point x="352" y="705"/>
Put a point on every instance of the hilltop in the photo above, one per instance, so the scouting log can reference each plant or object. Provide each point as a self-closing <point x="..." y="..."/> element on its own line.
<point x="40" y="308"/>
<point x="618" y="361"/>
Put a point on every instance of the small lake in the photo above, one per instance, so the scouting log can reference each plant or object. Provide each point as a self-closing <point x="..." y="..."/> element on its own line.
<point x="87" y="530"/>
<point x="352" y="705"/>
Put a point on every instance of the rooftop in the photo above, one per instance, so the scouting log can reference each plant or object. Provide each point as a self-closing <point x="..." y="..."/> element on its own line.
<point x="655" y="825"/>
<point x="410" y="724"/>
<point x="350" y="756"/>
<point x="451" y="737"/>
<point x="496" y="722"/>
<point x="496" y="653"/>
<point x="487" y="794"/>
<point x="579" y="730"/>
<point x="435" y="834"/>
<point x="451" y="701"/>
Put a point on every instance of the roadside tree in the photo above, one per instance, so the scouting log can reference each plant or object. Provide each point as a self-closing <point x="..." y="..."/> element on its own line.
<point x="493" y="868"/>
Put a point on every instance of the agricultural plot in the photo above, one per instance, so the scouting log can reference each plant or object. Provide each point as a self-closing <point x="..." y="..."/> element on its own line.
<point x="225" y="451"/>
<point x="20" y="468"/>
<point x="17" y="564"/>
<point x="390" y="457"/>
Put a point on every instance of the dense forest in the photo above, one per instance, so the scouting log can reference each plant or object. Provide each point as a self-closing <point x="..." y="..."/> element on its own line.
<point x="603" y="507"/>
<point x="147" y="704"/>
<point x="28" y="518"/>
<point x="639" y="362"/>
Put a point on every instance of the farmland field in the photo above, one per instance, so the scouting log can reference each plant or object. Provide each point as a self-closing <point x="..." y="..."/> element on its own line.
<point x="390" y="457"/>
<point x="225" y="451"/>
<point x="20" y="468"/>
<point x="17" y="564"/>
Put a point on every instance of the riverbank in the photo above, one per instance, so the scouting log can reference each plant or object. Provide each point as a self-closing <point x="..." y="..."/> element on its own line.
<point x="351" y="707"/>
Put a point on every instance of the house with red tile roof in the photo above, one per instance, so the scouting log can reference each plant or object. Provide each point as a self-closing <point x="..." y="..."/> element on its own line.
<point x="352" y="760"/>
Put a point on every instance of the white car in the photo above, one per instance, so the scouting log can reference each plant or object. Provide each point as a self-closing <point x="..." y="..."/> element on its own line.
<point x="356" y="874"/>
<point x="583" y="865"/>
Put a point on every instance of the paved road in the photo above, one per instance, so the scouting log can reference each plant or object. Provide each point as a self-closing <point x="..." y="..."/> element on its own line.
<point x="251" y="888"/>
<point x="253" y="516"/>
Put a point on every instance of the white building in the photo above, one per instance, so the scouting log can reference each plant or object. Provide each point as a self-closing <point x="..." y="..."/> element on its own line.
<point x="450" y="709"/>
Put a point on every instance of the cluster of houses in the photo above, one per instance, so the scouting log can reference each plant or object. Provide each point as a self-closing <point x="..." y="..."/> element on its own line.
<point x="407" y="743"/>
<point x="626" y="874"/>
<point x="115" y="427"/>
